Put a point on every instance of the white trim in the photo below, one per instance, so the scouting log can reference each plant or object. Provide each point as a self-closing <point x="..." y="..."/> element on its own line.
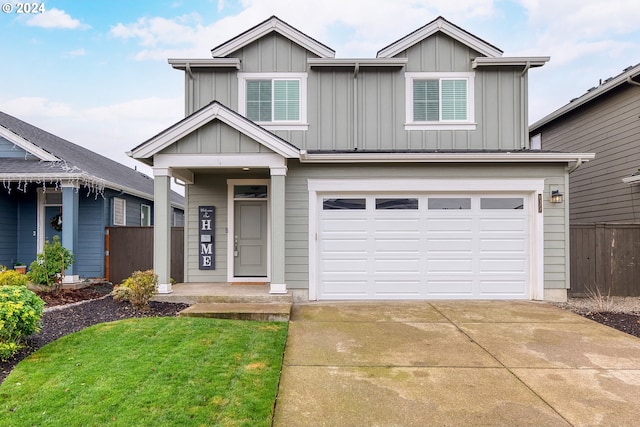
<point x="439" y="24"/>
<point x="205" y="115"/>
<point x="164" y="288"/>
<point x="231" y="228"/>
<point x="184" y="63"/>
<point x="532" y="187"/>
<point x="210" y="161"/>
<point x="27" y="146"/>
<point x="357" y="62"/>
<point x="633" y="179"/>
<point x="142" y="217"/>
<point x="278" y="288"/>
<point x="124" y="211"/>
<point x="514" y="61"/>
<point x="435" y="157"/>
<point x="266" y="27"/>
<point x="468" y="124"/>
<point x="301" y="124"/>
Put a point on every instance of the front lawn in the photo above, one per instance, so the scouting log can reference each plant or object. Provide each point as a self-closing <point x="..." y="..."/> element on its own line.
<point x="150" y="372"/>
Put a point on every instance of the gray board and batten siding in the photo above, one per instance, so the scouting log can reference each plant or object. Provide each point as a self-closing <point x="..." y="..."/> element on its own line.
<point x="371" y="116"/>
<point x="608" y="127"/>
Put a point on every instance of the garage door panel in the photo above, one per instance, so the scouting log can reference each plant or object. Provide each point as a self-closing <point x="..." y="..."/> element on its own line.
<point x="398" y="224"/>
<point x="450" y="287"/>
<point x="342" y="224"/>
<point x="502" y="225"/>
<point x="344" y="288"/>
<point x="337" y="246"/>
<point x="405" y="288"/>
<point x="345" y="265"/>
<point x="502" y="287"/>
<point x="400" y="265"/>
<point x="450" y="245"/>
<point x="502" y="265"/>
<point x="408" y="246"/>
<point x="502" y="245"/>
<point x="449" y="225"/>
<point x="453" y="266"/>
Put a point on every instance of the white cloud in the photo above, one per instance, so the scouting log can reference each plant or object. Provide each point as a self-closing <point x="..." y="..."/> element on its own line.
<point x="75" y="53"/>
<point x="55" y="18"/>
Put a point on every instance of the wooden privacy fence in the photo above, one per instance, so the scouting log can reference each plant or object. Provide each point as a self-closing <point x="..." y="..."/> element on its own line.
<point x="131" y="248"/>
<point x="605" y="257"/>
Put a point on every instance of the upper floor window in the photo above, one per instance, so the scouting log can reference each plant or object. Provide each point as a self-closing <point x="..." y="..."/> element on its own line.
<point x="119" y="211"/>
<point x="276" y="101"/>
<point x="440" y="101"/>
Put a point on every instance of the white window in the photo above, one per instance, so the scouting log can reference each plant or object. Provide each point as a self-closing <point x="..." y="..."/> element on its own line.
<point x="145" y="215"/>
<point x="440" y="101"/>
<point x="119" y="211"/>
<point x="276" y="101"/>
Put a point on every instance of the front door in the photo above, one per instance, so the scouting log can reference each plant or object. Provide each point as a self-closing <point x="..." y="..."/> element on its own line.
<point x="250" y="239"/>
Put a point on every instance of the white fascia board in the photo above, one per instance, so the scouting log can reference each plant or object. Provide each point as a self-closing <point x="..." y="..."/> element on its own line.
<point x="519" y="157"/>
<point x="273" y="24"/>
<point x="602" y="89"/>
<point x="212" y="161"/>
<point x="448" y="29"/>
<point x="206" y="115"/>
<point x="182" y="64"/>
<point x="357" y="62"/>
<point x="522" y="61"/>
<point x="27" y="145"/>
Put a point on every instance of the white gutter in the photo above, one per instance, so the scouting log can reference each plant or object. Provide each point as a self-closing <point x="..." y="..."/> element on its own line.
<point x="633" y="179"/>
<point x="632" y="82"/>
<point x="514" y="61"/>
<point x="435" y="157"/>
<point x="182" y="63"/>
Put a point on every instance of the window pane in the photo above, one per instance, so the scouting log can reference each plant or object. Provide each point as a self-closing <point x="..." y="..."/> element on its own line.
<point x="119" y="211"/>
<point x="249" y="191"/>
<point x="502" y="203"/>
<point x="449" y="203"/>
<point x="425" y="100"/>
<point x="286" y="100"/>
<point x="259" y="100"/>
<point x="397" y="204"/>
<point x="351" y="204"/>
<point x="454" y="99"/>
<point x="53" y="198"/>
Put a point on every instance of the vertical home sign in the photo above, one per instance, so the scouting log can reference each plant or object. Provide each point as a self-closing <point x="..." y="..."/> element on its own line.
<point x="206" y="238"/>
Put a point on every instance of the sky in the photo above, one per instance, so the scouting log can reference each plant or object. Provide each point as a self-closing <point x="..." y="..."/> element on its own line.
<point x="95" y="72"/>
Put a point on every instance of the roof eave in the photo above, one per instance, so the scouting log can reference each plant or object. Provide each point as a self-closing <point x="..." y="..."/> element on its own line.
<point x="506" y="157"/>
<point x="588" y="97"/>
<point x="184" y="63"/>
<point x="516" y="61"/>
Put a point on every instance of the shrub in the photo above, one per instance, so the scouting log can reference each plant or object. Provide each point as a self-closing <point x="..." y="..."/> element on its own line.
<point x="137" y="289"/>
<point x="20" y="316"/>
<point x="48" y="268"/>
<point x="12" y="278"/>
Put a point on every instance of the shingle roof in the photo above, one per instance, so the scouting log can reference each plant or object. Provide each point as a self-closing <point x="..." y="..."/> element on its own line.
<point x="74" y="160"/>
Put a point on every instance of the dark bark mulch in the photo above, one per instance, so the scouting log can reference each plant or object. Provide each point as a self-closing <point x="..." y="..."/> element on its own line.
<point x="629" y="323"/>
<point x="66" y="319"/>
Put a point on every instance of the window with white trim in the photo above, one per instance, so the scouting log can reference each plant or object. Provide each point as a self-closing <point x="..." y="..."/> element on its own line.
<point x="145" y="215"/>
<point x="276" y="100"/>
<point x="440" y="101"/>
<point x="119" y="211"/>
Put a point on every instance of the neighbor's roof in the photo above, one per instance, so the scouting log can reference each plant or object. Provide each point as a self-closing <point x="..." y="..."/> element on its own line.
<point x="55" y="157"/>
<point x="628" y="74"/>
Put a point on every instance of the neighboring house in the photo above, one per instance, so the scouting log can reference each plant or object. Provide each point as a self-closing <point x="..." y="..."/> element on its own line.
<point x="605" y="121"/>
<point x="50" y="186"/>
<point x="404" y="176"/>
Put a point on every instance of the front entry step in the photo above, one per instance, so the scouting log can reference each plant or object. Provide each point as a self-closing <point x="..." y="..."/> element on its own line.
<point x="267" y="312"/>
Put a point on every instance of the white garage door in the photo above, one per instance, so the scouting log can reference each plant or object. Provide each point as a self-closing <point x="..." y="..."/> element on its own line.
<point x="423" y="247"/>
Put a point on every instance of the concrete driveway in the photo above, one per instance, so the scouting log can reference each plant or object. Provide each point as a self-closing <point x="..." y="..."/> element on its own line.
<point x="455" y="363"/>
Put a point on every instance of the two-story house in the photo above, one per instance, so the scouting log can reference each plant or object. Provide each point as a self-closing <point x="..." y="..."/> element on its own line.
<point x="404" y="176"/>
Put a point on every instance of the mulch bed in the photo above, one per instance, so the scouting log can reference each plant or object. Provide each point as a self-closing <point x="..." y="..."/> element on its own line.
<point x="71" y="311"/>
<point x="629" y="323"/>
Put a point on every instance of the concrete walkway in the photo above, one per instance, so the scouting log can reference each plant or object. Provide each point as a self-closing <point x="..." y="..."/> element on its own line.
<point x="455" y="364"/>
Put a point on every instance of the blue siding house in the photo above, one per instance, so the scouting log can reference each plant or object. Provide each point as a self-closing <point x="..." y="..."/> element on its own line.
<point x="50" y="186"/>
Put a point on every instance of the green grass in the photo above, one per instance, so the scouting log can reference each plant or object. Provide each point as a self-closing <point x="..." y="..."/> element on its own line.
<point x="150" y="372"/>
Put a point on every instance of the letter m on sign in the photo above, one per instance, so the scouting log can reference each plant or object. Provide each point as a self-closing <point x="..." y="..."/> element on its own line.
<point x="206" y="237"/>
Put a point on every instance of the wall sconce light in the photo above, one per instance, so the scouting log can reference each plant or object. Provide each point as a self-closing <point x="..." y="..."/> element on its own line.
<point x="556" y="196"/>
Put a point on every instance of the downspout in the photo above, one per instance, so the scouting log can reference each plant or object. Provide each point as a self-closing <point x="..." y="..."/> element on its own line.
<point x="524" y="113"/>
<point x="573" y="168"/>
<point x="356" y="70"/>
<point x="189" y="91"/>
<point x="632" y="82"/>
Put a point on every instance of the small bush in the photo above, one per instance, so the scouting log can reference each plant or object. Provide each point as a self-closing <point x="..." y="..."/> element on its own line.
<point x="12" y="278"/>
<point x="137" y="289"/>
<point x="20" y="316"/>
<point x="48" y="268"/>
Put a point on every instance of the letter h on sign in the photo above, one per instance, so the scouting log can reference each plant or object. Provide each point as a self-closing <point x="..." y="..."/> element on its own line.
<point x="206" y="237"/>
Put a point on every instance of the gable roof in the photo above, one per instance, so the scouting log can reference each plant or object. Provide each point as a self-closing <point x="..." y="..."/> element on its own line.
<point x="628" y="76"/>
<point x="440" y="25"/>
<point x="272" y="24"/>
<point x="213" y="111"/>
<point x="57" y="158"/>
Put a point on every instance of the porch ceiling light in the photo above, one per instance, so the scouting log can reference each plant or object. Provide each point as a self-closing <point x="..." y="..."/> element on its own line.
<point x="556" y="196"/>
<point x="246" y="169"/>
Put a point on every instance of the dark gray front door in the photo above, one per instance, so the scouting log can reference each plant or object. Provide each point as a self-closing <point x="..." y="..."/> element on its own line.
<point x="250" y="239"/>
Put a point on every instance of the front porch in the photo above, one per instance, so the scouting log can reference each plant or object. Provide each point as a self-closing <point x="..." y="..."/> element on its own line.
<point x="230" y="301"/>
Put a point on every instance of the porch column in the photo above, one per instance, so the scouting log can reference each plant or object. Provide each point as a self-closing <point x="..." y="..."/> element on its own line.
<point x="278" y="285"/>
<point x="70" y="203"/>
<point x="162" y="228"/>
